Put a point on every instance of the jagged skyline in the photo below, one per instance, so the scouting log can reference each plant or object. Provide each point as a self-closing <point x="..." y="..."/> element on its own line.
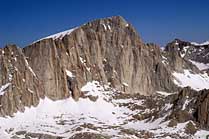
<point x="160" y="22"/>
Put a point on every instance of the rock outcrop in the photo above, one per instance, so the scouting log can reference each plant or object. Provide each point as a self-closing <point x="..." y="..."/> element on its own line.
<point x="193" y="54"/>
<point x="191" y="105"/>
<point x="20" y="86"/>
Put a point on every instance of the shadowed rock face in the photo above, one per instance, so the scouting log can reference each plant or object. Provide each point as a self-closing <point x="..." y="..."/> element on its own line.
<point x="108" y="50"/>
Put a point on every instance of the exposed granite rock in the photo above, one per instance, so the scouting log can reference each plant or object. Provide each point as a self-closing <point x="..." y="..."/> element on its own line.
<point x="88" y="135"/>
<point x="188" y="52"/>
<point x="24" y="88"/>
<point x="176" y="52"/>
<point x="107" y="50"/>
<point x="191" y="105"/>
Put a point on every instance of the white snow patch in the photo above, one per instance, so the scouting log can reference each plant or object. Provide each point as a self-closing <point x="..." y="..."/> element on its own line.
<point x="125" y="84"/>
<point x="167" y="106"/>
<point x="104" y="26"/>
<point x="109" y="27"/>
<point x="3" y="87"/>
<point x="165" y="60"/>
<point x="183" y="53"/>
<point x="200" y="66"/>
<point x="164" y="57"/>
<point x="205" y="43"/>
<point x="59" y="35"/>
<point x="31" y="70"/>
<point x="10" y="77"/>
<point x="201" y="134"/>
<point x="69" y="73"/>
<point x="195" y="81"/>
<point x="162" y="48"/>
<point x="31" y="91"/>
<point x="200" y="44"/>
<point x="185" y="104"/>
<point x="164" y="93"/>
<point x="83" y="61"/>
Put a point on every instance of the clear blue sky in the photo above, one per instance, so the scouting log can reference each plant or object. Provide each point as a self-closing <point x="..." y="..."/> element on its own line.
<point x="158" y="21"/>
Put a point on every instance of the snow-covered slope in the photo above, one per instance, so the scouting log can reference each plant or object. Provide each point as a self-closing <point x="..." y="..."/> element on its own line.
<point x="97" y="112"/>
<point x="200" y="66"/>
<point x="59" y="35"/>
<point x="195" y="81"/>
<point x="200" y="44"/>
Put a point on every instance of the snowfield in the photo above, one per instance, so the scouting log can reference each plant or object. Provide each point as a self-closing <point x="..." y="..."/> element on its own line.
<point x="200" y="66"/>
<point x="195" y="81"/>
<point x="104" y="115"/>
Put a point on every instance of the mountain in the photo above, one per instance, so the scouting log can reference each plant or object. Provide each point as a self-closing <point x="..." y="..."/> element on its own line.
<point x="100" y="80"/>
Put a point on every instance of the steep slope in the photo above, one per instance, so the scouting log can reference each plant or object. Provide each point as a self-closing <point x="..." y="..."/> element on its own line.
<point x="185" y="61"/>
<point x="108" y="50"/>
<point x="196" y="53"/>
<point x="19" y="84"/>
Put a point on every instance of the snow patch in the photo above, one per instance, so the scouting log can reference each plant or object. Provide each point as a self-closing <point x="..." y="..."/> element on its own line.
<point x="164" y="93"/>
<point x="195" y="81"/>
<point x="3" y="88"/>
<point x="83" y="61"/>
<point x="104" y="26"/>
<point x="201" y="134"/>
<point x="125" y="84"/>
<point x="31" y="70"/>
<point x="69" y="74"/>
<point x="200" y="44"/>
<point x="187" y="101"/>
<point x="184" y="51"/>
<point x="59" y="35"/>
<point x="109" y="27"/>
<point x="200" y="66"/>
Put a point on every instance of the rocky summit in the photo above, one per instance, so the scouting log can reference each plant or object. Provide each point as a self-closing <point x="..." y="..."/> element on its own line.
<point x="100" y="81"/>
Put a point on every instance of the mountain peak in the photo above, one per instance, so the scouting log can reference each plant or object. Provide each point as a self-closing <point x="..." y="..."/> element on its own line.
<point x="117" y="20"/>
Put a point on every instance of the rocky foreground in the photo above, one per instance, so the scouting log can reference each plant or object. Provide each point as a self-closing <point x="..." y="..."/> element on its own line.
<point x="105" y="113"/>
<point x="100" y="80"/>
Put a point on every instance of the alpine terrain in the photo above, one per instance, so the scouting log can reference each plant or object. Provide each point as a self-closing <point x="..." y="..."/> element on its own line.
<point x="100" y="81"/>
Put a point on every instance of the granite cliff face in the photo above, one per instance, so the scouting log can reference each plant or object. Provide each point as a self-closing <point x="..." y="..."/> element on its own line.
<point x="191" y="52"/>
<point x="108" y="50"/>
<point x="20" y="86"/>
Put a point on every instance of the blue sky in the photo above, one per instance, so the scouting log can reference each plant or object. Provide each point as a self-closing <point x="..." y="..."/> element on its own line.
<point x="158" y="21"/>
